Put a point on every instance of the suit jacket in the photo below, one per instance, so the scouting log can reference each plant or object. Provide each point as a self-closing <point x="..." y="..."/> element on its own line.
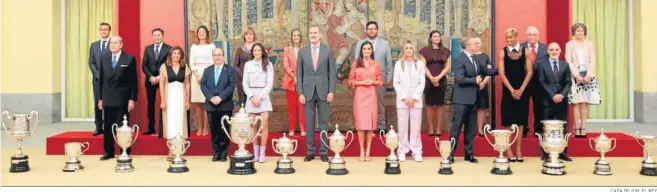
<point x="382" y="54"/>
<point x="321" y="81"/>
<point x="150" y="64"/>
<point x="409" y="85"/>
<point x="118" y="85"/>
<point x="224" y="88"/>
<point x="465" y="83"/>
<point x="541" y="53"/>
<point x="573" y="59"/>
<point x="94" y="58"/>
<point x="554" y="84"/>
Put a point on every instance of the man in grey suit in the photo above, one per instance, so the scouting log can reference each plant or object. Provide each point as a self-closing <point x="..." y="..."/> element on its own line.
<point x="538" y="53"/>
<point x="316" y="78"/>
<point x="96" y="49"/>
<point x="383" y="56"/>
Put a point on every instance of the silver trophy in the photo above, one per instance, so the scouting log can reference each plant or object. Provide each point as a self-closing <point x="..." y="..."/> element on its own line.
<point x="20" y="128"/>
<point x="123" y="137"/>
<point x="241" y="133"/>
<point x="648" y="166"/>
<point x="284" y="146"/>
<point x="178" y="146"/>
<point x="392" y="142"/>
<point x="553" y="141"/>
<point x="73" y="151"/>
<point x="336" y="144"/>
<point x="501" y="165"/>
<point x="445" y="148"/>
<point x="603" y="144"/>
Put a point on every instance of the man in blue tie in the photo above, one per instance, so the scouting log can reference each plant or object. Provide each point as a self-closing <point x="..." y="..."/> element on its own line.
<point x="96" y="49"/>
<point x="217" y="85"/>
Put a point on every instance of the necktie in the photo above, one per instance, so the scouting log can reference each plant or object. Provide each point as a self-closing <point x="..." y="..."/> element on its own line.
<point x="473" y="63"/>
<point x="157" y="51"/>
<point x="216" y="76"/>
<point x="315" y="56"/>
<point x="533" y="53"/>
<point x="555" y="69"/>
<point x="102" y="46"/>
<point x="113" y="62"/>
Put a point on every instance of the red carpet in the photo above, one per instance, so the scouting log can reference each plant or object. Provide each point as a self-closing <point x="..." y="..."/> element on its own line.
<point x="200" y="145"/>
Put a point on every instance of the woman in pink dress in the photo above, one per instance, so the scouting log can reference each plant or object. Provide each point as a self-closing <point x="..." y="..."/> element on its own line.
<point x="294" y="107"/>
<point x="364" y="78"/>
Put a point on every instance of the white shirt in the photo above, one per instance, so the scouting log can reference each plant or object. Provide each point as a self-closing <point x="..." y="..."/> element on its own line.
<point x="517" y="47"/>
<point x="471" y="60"/>
<point x="157" y="46"/>
<point x="373" y="41"/>
<point x="312" y="47"/>
<point x="118" y="55"/>
<point x="106" y="43"/>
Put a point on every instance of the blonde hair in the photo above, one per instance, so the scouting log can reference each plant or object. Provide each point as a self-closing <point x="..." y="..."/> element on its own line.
<point x="408" y="42"/>
<point x="512" y="31"/>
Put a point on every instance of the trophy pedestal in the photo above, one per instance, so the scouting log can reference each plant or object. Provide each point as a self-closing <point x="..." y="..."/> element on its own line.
<point x="284" y="166"/>
<point x="73" y="166"/>
<point x="602" y="167"/>
<point x="501" y="166"/>
<point x="124" y="165"/>
<point x="445" y="168"/>
<point x="392" y="167"/>
<point x="178" y="166"/>
<point x="553" y="169"/>
<point x="337" y="168"/>
<point x="19" y="164"/>
<point x="241" y="165"/>
<point x="648" y="168"/>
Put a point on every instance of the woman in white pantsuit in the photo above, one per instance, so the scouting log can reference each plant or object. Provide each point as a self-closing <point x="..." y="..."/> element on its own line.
<point x="409" y="85"/>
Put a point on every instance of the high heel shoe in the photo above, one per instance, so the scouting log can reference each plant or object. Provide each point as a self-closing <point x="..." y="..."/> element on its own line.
<point x="513" y="159"/>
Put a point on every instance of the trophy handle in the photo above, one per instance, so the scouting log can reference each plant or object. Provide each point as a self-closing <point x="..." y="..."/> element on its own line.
<point x="435" y="142"/>
<point x="380" y="137"/>
<point x="135" y="129"/>
<point x="296" y="144"/>
<point x="540" y="139"/>
<point x="187" y="145"/>
<point x="86" y="148"/>
<point x="591" y="139"/>
<point x="487" y="130"/>
<point x="352" y="138"/>
<point x="114" y="127"/>
<point x="2" y="118"/>
<point x="223" y="126"/>
<point x="36" y="120"/>
<point x="453" y="140"/>
<point x="259" y="129"/>
<point x="637" y="140"/>
<point x="322" y="138"/>
<point x="615" y="144"/>
<point x="514" y="129"/>
<point x="169" y="143"/>
<point x="567" y="136"/>
<point x="273" y="146"/>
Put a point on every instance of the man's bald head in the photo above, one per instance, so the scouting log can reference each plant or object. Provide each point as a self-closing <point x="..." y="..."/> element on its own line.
<point x="532" y="35"/>
<point x="554" y="50"/>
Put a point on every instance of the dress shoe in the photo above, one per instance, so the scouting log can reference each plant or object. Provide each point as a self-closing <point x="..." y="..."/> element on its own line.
<point x="215" y="158"/>
<point x="472" y="160"/>
<point x="97" y="132"/>
<point x="106" y="157"/>
<point x="149" y="132"/>
<point x="308" y="158"/>
<point x="451" y="159"/>
<point x="565" y="157"/>
<point x="223" y="159"/>
<point x="324" y="158"/>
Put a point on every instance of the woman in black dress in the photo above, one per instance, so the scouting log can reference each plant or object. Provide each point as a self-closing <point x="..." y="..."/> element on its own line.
<point x="437" y="59"/>
<point x="515" y="69"/>
<point x="481" y="58"/>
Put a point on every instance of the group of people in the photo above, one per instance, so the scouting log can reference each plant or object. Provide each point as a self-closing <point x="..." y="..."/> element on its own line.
<point x="205" y="84"/>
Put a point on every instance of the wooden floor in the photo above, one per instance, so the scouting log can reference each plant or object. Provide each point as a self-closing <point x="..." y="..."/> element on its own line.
<point x="151" y="171"/>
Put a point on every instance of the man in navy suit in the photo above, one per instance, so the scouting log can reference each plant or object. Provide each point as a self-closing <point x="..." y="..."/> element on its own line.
<point x="217" y="85"/>
<point x="467" y="76"/>
<point x="97" y="49"/>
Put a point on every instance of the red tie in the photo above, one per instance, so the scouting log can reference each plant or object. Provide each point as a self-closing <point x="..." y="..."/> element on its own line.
<point x="533" y="54"/>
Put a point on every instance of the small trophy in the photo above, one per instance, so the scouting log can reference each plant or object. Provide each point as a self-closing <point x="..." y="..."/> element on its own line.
<point x="19" y="129"/>
<point x="602" y="145"/>
<point x="648" y="166"/>
<point x="123" y="137"/>
<point x="178" y="146"/>
<point x="284" y="146"/>
<point x="392" y="142"/>
<point x="445" y="148"/>
<point x="501" y="165"/>
<point x="241" y="133"/>
<point x="73" y="151"/>
<point x="336" y="144"/>
<point x="553" y="141"/>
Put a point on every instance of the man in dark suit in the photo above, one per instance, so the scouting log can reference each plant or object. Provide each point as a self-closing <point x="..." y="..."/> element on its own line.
<point x="538" y="52"/>
<point x="118" y="90"/>
<point x="316" y="78"/>
<point x="97" y="49"/>
<point x="555" y="78"/>
<point x="217" y="85"/>
<point x="467" y="76"/>
<point x="154" y="56"/>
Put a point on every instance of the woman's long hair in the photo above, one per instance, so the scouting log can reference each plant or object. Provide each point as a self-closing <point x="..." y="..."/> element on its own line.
<point x="264" y="58"/>
<point x="292" y="36"/>
<point x="408" y="42"/>
<point x="360" y="62"/>
<point x="169" y="61"/>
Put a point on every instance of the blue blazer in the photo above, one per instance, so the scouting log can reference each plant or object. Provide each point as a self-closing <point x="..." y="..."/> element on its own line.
<point x="224" y="88"/>
<point x="466" y="88"/>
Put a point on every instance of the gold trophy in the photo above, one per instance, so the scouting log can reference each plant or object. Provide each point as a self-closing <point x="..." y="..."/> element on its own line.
<point x="553" y="141"/>
<point x="501" y="165"/>
<point x="648" y="166"/>
<point x="123" y="137"/>
<point x="19" y="128"/>
<point x="602" y="145"/>
<point x="241" y="133"/>
<point x="178" y="146"/>
<point x="73" y="150"/>
<point x="445" y="148"/>
<point x="284" y="146"/>
<point x="336" y="144"/>
<point x="392" y="142"/>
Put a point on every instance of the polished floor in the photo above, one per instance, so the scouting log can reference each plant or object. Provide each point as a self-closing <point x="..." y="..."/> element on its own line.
<point x="151" y="171"/>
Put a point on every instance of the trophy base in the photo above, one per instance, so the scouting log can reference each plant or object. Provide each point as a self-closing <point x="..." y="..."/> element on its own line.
<point x="241" y="165"/>
<point x="602" y="168"/>
<point x="19" y="164"/>
<point x="337" y="169"/>
<point x="648" y="171"/>
<point x="498" y="171"/>
<point x="73" y="167"/>
<point x="392" y="167"/>
<point x="124" y="165"/>
<point x="178" y="166"/>
<point x="501" y="166"/>
<point x="445" y="168"/>
<point x="553" y="169"/>
<point x="284" y="167"/>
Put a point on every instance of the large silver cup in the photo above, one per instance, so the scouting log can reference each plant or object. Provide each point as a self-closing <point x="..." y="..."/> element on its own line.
<point x="241" y="133"/>
<point x="392" y="142"/>
<point x="445" y="147"/>
<point x="501" y="165"/>
<point x="337" y="145"/>
<point x="284" y="146"/>
<point x="603" y="144"/>
<point x="73" y="151"/>
<point x="20" y="127"/>
<point x="648" y="165"/>
<point x="124" y="138"/>
<point x="553" y="141"/>
<point x="178" y="146"/>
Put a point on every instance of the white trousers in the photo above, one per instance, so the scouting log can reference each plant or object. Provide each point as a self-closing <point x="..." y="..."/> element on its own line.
<point x="413" y="143"/>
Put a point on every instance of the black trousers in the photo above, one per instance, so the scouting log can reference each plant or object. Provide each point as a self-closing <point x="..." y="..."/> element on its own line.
<point x="98" y="120"/>
<point x="113" y="115"/>
<point x="556" y="111"/>
<point x="151" y="92"/>
<point x="220" y="141"/>
<point x="464" y="115"/>
<point x="537" y="94"/>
